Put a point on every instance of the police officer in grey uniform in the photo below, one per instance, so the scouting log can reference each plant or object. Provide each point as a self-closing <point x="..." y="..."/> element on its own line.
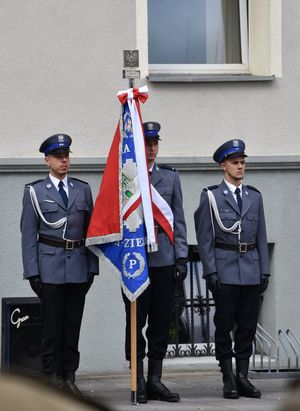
<point x="55" y="217"/>
<point x="231" y="234"/>
<point x="166" y="266"/>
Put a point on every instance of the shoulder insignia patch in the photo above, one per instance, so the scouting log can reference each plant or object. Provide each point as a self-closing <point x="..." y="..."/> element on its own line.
<point x="211" y="188"/>
<point x="252" y="188"/>
<point x="77" y="179"/>
<point x="33" y="183"/>
<point x="165" y="166"/>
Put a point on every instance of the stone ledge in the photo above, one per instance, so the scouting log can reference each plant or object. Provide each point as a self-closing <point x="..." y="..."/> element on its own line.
<point x="181" y="163"/>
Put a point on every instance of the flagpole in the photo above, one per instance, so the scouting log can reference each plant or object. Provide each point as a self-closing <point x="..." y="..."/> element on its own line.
<point x="133" y="353"/>
<point x="131" y="72"/>
<point x="133" y="337"/>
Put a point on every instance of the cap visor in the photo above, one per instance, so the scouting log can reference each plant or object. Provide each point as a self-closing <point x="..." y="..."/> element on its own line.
<point x="152" y="138"/>
<point x="236" y="155"/>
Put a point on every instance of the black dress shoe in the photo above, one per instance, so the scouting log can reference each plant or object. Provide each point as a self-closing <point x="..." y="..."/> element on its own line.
<point x="230" y="390"/>
<point x="156" y="390"/>
<point x="246" y="389"/>
<point x="53" y="380"/>
<point x="70" y="386"/>
<point x="141" y="391"/>
<point x="69" y="382"/>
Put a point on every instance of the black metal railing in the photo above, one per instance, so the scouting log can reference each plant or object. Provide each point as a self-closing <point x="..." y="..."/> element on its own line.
<point x="192" y="330"/>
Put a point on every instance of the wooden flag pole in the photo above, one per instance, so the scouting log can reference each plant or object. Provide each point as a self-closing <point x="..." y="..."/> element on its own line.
<point x="133" y="353"/>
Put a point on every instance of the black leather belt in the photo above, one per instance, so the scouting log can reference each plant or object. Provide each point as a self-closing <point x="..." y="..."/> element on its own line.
<point x="240" y="247"/>
<point x="66" y="244"/>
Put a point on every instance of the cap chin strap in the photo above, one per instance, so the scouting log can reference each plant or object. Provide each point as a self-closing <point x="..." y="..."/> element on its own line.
<point x="213" y="208"/>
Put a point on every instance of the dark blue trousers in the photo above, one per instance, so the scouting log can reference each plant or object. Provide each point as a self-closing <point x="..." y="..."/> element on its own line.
<point x="237" y="309"/>
<point x="62" y="310"/>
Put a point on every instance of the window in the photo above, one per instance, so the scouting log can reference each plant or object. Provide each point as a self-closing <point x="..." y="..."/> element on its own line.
<point x="209" y="40"/>
<point x="198" y="36"/>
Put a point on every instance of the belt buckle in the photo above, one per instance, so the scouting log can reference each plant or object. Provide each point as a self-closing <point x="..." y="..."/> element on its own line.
<point x="69" y="245"/>
<point x="243" y="247"/>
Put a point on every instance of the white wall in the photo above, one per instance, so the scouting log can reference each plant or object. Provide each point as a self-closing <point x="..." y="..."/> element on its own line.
<point x="61" y="69"/>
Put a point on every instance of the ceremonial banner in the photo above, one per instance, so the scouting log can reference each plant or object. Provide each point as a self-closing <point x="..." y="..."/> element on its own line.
<point x="121" y="230"/>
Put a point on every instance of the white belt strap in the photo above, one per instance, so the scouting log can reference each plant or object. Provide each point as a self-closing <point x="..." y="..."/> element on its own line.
<point x="214" y="209"/>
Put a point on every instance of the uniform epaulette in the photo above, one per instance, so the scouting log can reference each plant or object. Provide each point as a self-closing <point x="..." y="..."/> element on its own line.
<point x="77" y="179"/>
<point x="167" y="167"/>
<point x="211" y="188"/>
<point x="33" y="183"/>
<point x="253" y="188"/>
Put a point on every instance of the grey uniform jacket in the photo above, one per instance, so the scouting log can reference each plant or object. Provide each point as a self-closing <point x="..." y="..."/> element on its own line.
<point x="166" y="182"/>
<point x="57" y="265"/>
<point x="231" y="266"/>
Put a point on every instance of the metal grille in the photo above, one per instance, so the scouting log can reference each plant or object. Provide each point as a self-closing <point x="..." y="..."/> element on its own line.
<point x="192" y="330"/>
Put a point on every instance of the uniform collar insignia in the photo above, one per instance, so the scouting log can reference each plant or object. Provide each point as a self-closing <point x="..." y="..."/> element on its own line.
<point x="225" y="192"/>
<point x="246" y="192"/>
<point x="71" y="184"/>
<point x="157" y="168"/>
<point x="48" y="185"/>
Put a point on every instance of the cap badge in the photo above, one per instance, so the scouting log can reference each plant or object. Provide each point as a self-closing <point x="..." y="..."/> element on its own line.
<point x="235" y="143"/>
<point x="60" y="138"/>
<point x="150" y="126"/>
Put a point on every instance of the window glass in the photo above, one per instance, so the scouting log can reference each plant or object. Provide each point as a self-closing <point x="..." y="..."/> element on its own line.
<point x="194" y="32"/>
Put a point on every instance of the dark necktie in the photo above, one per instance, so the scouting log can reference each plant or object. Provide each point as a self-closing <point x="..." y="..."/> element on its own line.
<point x="63" y="193"/>
<point x="239" y="198"/>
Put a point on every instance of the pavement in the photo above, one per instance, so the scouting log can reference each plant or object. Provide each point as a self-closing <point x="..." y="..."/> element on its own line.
<point x="198" y="382"/>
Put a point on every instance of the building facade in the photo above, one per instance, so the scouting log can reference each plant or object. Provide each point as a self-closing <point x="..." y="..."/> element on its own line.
<point x="61" y="70"/>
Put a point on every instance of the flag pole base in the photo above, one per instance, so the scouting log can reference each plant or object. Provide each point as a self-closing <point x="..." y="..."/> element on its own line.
<point x="133" y="398"/>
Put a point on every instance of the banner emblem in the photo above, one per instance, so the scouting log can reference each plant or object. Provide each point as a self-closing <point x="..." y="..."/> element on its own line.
<point x="133" y="265"/>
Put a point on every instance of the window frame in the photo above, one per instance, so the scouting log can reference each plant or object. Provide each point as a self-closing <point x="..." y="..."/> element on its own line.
<point x="242" y="68"/>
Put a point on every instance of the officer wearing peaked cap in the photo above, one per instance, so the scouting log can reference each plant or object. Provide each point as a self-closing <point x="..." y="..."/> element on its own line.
<point x="151" y="130"/>
<point x="230" y="149"/>
<point x="55" y="217"/>
<point x="56" y="144"/>
<point x="166" y="266"/>
<point x="232" y="240"/>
